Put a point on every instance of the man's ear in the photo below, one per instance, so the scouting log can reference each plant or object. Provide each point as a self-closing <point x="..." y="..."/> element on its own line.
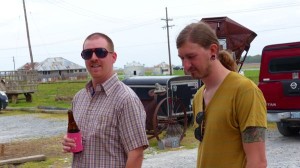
<point x="214" y="49"/>
<point x="114" y="55"/>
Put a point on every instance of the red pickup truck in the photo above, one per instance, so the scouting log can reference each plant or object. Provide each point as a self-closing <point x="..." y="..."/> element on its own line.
<point x="280" y="84"/>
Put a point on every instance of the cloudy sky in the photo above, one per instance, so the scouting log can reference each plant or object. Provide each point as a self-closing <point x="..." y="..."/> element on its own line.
<point x="58" y="27"/>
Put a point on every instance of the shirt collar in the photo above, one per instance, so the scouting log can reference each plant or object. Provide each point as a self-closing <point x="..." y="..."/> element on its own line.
<point x="106" y="87"/>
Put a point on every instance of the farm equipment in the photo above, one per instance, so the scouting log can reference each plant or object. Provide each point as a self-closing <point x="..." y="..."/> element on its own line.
<point x="232" y="36"/>
<point x="167" y="101"/>
<point x="18" y="82"/>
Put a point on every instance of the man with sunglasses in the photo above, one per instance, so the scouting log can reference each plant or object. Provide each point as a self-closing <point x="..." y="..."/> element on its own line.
<point x="229" y="109"/>
<point x="109" y="114"/>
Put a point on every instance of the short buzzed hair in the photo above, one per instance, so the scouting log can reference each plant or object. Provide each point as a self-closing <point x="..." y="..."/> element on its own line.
<point x="97" y="35"/>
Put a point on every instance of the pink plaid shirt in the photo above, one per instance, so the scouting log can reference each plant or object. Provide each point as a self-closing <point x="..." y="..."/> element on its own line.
<point x="112" y="122"/>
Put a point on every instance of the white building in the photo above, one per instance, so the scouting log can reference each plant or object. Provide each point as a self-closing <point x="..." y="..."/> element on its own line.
<point x="134" y="69"/>
<point x="161" y="69"/>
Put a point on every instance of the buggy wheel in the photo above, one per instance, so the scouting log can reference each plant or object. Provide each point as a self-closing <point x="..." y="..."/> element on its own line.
<point x="172" y="122"/>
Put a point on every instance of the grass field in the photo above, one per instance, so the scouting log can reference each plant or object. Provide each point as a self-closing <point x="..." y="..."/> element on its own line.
<point x="58" y="94"/>
<point x="252" y="74"/>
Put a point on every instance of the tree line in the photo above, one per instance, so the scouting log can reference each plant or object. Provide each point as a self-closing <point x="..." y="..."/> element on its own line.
<point x="253" y="59"/>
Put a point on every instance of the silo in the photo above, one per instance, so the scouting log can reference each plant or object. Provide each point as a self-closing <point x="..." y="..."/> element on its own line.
<point x="134" y="69"/>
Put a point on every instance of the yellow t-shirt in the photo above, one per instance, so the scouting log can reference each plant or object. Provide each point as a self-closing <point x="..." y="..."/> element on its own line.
<point x="237" y="104"/>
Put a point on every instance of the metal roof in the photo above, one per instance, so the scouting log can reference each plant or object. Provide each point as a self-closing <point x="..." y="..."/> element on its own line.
<point x="133" y="64"/>
<point x="54" y="64"/>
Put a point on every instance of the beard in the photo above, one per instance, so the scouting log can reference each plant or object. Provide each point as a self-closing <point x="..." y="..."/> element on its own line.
<point x="200" y="73"/>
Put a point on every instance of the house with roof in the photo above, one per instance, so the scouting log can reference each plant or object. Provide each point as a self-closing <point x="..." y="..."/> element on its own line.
<point x="57" y="68"/>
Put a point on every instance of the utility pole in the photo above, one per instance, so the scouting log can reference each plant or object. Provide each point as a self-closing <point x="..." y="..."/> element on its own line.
<point x="167" y="26"/>
<point x="14" y="63"/>
<point x="28" y="37"/>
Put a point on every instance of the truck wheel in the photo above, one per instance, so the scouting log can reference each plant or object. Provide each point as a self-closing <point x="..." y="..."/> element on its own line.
<point x="285" y="130"/>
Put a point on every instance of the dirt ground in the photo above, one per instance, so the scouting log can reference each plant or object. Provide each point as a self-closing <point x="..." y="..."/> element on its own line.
<point x="33" y="134"/>
<point x="46" y="146"/>
<point x="50" y="147"/>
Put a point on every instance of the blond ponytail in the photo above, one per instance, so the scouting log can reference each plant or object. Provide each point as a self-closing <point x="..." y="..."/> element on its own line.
<point x="227" y="60"/>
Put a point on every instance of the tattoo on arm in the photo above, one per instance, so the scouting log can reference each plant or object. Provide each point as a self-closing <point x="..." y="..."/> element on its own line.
<point x="254" y="134"/>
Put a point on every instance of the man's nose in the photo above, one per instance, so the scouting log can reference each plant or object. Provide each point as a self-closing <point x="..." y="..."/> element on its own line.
<point x="94" y="56"/>
<point x="186" y="64"/>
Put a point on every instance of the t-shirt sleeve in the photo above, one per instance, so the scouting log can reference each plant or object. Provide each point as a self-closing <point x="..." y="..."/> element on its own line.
<point x="251" y="106"/>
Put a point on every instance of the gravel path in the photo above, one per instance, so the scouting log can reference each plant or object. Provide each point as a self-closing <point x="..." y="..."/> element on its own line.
<point x="282" y="152"/>
<point x="29" y="126"/>
<point x="173" y="159"/>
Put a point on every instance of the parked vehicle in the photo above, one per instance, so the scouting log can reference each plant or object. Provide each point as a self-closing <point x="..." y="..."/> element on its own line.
<point x="3" y="100"/>
<point x="280" y="84"/>
<point x="178" y="68"/>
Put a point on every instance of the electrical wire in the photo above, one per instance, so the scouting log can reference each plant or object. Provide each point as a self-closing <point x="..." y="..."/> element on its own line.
<point x="93" y="15"/>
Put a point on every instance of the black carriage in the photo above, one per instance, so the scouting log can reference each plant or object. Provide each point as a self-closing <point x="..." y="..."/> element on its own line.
<point x="167" y="101"/>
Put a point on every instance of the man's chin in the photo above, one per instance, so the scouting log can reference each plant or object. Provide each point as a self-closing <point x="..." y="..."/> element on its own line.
<point x="195" y="75"/>
<point x="192" y="74"/>
<point x="187" y="73"/>
<point x="95" y="70"/>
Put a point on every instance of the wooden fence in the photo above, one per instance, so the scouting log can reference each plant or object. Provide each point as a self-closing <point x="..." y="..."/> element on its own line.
<point x="19" y="82"/>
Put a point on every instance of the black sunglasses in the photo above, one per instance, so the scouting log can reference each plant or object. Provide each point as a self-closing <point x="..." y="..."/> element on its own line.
<point x="100" y="53"/>
<point x="199" y="131"/>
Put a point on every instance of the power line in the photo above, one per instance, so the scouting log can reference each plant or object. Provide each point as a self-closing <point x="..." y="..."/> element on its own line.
<point x="145" y="24"/>
<point x="264" y="8"/>
<point x="81" y="11"/>
<point x="276" y="29"/>
<point x="75" y="39"/>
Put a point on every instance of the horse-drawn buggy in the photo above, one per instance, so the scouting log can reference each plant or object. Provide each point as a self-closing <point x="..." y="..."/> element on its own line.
<point x="167" y="101"/>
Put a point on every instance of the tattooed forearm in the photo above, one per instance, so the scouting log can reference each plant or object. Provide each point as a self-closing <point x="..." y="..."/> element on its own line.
<point x="254" y="134"/>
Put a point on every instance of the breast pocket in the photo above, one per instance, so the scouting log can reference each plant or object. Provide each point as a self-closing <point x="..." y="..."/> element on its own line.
<point x="106" y="126"/>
